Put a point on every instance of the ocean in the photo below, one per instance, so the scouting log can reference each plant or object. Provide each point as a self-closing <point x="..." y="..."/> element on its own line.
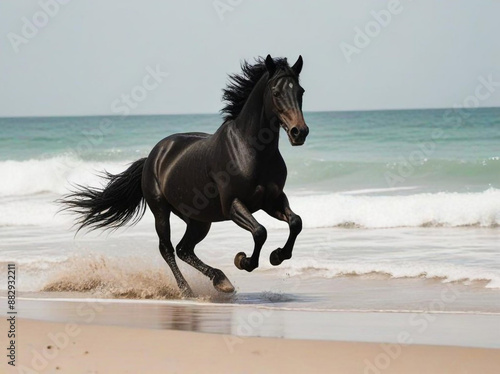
<point x="397" y="206"/>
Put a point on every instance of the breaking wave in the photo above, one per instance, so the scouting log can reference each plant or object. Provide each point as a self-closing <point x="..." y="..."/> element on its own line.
<point x="397" y="270"/>
<point x="27" y="198"/>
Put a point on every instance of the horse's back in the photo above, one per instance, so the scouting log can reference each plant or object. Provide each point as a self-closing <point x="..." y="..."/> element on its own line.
<point x="180" y="142"/>
<point x="184" y="138"/>
<point x="193" y="135"/>
<point x="169" y="151"/>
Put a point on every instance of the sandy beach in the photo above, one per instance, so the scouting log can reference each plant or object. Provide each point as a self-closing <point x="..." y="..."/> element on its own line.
<point x="71" y="335"/>
<point x="45" y="347"/>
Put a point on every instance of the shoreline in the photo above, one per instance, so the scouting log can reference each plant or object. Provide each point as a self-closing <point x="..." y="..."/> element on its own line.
<point x="57" y="347"/>
<point x="422" y="327"/>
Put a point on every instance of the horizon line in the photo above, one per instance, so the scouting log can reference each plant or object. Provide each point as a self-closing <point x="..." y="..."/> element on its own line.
<point x="215" y="113"/>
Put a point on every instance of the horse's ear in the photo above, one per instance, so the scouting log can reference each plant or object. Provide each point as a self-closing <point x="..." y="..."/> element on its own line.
<point x="297" y="67"/>
<point x="270" y="65"/>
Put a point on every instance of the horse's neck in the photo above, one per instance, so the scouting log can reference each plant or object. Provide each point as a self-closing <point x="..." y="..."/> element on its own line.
<point x="253" y="124"/>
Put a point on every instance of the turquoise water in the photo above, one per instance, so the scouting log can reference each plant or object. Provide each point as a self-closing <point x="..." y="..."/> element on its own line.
<point x="434" y="150"/>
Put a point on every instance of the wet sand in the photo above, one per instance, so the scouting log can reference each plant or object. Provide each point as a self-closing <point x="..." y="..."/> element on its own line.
<point x="423" y="327"/>
<point x="46" y="347"/>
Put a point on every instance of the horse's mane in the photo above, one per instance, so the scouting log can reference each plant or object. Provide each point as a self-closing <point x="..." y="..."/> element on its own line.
<point x="241" y="85"/>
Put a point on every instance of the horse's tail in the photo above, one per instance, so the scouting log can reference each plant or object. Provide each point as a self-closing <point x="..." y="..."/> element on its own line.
<point x="120" y="202"/>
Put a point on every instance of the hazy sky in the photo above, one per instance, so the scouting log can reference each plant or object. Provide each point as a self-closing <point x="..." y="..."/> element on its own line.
<point x="86" y="54"/>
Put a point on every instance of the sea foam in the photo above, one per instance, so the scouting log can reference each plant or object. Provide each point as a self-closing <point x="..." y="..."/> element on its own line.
<point x="27" y="198"/>
<point x="416" y="210"/>
<point x="395" y="270"/>
<point x="51" y="175"/>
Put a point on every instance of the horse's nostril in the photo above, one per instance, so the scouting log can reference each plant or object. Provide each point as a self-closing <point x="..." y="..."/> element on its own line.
<point x="294" y="132"/>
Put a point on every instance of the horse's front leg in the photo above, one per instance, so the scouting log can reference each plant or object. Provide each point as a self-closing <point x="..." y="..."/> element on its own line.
<point x="240" y="214"/>
<point x="280" y="209"/>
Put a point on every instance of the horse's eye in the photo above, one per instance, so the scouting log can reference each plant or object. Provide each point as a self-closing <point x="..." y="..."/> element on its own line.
<point x="277" y="94"/>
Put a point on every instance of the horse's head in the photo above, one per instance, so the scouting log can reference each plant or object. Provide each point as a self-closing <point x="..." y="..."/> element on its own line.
<point x="283" y="99"/>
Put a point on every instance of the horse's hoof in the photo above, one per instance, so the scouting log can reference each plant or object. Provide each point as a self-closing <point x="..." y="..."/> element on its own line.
<point x="276" y="258"/>
<point x="223" y="285"/>
<point x="238" y="259"/>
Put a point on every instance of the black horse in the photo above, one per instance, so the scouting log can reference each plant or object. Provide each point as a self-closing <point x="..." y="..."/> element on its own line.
<point x="204" y="178"/>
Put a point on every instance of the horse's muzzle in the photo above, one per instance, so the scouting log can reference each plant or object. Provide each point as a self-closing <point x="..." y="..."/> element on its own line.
<point x="298" y="134"/>
<point x="295" y="127"/>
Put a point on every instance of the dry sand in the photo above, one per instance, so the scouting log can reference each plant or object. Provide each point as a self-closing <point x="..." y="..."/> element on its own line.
<point x="45" y="347"/>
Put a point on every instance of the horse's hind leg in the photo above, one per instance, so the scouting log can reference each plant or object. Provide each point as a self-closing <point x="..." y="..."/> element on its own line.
<point x="195" y="232"/>
<point x="162" y="225"/>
